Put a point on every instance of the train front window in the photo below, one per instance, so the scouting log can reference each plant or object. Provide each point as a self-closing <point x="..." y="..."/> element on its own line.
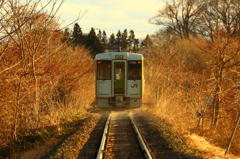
<point x="104" y="70"/>
<point x="119" y="72"/>
<point x="134" y="70"/>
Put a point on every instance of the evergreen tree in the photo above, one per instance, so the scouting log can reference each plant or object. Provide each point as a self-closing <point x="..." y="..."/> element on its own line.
<point x="124" y="39"/>
<point x="135" y="45"/>
<point x="77" y="35"/>
<point x="99" y="35"/>
<point x="147" y="42"/>
<point x="104" y="38"/>
<point x="66" y="36"/>
<point x="131" y="38"/>
<point x="119" y="39"/>
<point x="112" y="40"/>
<point x="93" y="43"/>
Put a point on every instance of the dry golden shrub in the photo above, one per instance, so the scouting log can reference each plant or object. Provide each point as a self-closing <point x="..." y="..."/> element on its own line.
<point x="184" y="76"/>
<point x="43" y="81"/>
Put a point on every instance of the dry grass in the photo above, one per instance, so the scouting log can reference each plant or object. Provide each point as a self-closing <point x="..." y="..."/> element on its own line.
<point x="64" y="92"/>
<point x="44" y="82"/>
<point x="39" y="151"/>
<point x="211" y="151"/>
<point x="179" y="71"/>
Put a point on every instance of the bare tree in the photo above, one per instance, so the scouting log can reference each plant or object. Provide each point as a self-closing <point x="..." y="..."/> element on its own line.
<point x="182" y="17"/>
<point x="31" y="41"/>
<point x="220" y="22"/>
<point x="217" y="25"/>
<point x="221" y="16"/>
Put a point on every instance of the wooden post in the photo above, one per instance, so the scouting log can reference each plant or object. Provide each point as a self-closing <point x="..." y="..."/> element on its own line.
<point x="234" y="130"/>
<point x="202" y="112"/>
<point x="157" y="92"/>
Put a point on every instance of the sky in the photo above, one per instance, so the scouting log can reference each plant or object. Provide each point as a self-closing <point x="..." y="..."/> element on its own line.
<point x="111" y="15"/>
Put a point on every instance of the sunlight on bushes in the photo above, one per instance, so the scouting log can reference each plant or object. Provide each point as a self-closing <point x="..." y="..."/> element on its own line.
<point x="186" y="83"/>
<point x="44" y="81"/>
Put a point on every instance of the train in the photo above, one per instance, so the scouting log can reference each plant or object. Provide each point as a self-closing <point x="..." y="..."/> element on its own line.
<point x="119" y="79"/>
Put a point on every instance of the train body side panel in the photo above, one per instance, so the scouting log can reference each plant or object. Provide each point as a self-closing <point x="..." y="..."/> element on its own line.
<point x="103" y="93"/>
<point x="135" y="103"/>
<point x="142" y="82"/>
<point x="104" y="88"/>
<point x="134" y="88"/>
<point x="103" y="103"/>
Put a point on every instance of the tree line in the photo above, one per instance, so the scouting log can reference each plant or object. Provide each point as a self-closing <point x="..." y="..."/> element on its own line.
<point x="185" y="18"/>
<point x="42" y="79"/>
<point x="98" y="42"/>
<point x="216" y="26"/>
<point x="197" y="51"/>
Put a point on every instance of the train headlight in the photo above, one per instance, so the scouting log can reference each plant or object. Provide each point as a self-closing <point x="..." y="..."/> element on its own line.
<point x="135" y="62"/>
<point x="118" y="56"/>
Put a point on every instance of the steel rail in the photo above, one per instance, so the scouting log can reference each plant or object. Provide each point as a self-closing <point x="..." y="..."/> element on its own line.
<point x="139" y="137"/>
<point x="103" y="141"/>
<point x="141" y="141"/>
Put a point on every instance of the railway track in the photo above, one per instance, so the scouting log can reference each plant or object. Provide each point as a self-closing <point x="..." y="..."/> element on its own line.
<point x="121" y="138"/>
<point x="114" y="135"/>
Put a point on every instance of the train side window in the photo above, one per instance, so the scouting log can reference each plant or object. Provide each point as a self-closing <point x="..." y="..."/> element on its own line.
<point x="104" y="70"/>
<point x="134" y="70"/>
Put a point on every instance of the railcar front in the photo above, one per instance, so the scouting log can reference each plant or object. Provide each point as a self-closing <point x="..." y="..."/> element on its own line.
<point x="119" y="80"/>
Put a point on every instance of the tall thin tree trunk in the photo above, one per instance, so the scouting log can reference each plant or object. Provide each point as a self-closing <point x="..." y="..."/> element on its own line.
<point x="36" y="97"/>
<point x="217" y="97"/>
<point x="15" y="124"/>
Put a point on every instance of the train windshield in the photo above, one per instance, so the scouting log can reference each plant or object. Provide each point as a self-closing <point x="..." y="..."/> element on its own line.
<point x="134" y="70"/>
<point x="104" y="70"/>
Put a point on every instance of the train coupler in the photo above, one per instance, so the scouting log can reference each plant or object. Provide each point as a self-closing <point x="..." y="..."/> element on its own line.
<point x="119" y="101"/>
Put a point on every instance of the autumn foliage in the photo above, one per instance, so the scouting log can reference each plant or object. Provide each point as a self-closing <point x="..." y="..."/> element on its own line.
<point x="195" y="79"/>
<point x="197" y="57"/>
<point x="43" y="81"/>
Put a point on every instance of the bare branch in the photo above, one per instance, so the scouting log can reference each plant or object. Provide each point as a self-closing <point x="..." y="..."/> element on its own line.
<point x="78" y="18"/>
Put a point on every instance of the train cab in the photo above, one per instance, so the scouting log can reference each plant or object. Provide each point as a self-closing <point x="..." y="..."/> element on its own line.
<point x="119" y="80"/>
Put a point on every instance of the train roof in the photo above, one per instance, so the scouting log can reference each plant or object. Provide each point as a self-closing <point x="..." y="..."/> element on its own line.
<point x="112" y="55"/>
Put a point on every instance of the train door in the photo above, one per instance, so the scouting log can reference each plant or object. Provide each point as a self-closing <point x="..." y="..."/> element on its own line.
<point x="103" y="82"/>
<point x="134" y="83"/>
<point x="119" y="78"/>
